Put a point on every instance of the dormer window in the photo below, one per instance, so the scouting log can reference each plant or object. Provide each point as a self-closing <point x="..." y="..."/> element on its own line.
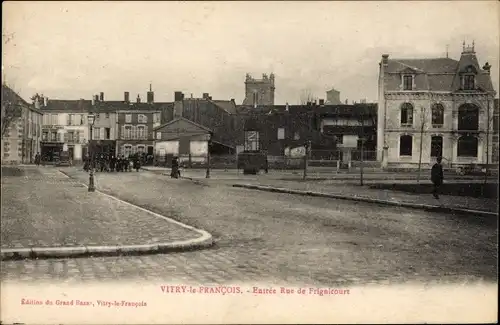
<point x="469" y="81"/>
<point x="407" y="82"/>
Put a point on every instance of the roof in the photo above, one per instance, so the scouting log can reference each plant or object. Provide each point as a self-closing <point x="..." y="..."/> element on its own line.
<point x="177" y="119"/>
<point x="109" y="106"/>
<point x="437" y="74"/>
<point x="59" y="105"/>
<point x="341" y="109"/>
<point x="227" y="105"/>
<point x="8" y="92"/>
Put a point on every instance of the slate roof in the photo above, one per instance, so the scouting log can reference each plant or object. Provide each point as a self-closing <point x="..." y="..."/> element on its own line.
<point x="182" y="119"/>
<point x="60" y="105"/>
<point x="342" y="109"/>
<point x="438" y="74"/>
<point x="227" y="105"/>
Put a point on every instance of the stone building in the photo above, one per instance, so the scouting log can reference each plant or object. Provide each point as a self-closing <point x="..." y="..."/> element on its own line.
<point x="259" y="92"/>
<point x="441" y="105"/>
<point x="333" y="97"/>
<point x="21" y="128"/>
<point x="65" y="128"/>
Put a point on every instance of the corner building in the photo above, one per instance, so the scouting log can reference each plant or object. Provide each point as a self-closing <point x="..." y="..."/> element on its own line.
<point x="443" y="106"/>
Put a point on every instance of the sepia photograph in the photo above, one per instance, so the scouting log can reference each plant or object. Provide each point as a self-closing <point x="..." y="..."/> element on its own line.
<point x="249" y="162"/>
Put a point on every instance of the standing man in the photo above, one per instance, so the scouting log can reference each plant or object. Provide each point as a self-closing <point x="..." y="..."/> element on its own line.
<point x="437" y="176"/>
<point x="37" y="159"/>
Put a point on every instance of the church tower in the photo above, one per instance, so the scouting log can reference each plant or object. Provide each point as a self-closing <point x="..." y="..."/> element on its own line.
<point x="259" y="92"/>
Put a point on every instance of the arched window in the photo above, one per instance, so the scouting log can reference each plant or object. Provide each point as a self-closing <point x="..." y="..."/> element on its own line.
<point x="406" y="145"/>
<point x="467" y="146"/>
<point x="437" y="115"/>
<point x="406" y="114"/>
<point x="469" y="78"/>
<point x="468" y="117"/>
<point x="437" y="146"/>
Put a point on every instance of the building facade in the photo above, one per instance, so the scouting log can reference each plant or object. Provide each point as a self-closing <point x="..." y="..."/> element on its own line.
<point x="280" y="129"/>
<point x="23" y="129"/>
<point x="259" y="92"/>
<point x="135" y="124"/>
<point x="435" y="107"/>
<point x="65" y="128"/>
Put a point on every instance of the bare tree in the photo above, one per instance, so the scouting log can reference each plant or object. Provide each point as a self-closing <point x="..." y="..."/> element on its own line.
<point x="11" y="108"/>
<point x="423" y="124"/>
<point x="307" y="96"/>
<point x="489" y="124"/>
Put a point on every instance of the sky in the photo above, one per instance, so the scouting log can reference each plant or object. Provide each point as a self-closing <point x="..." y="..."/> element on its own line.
<point x="72" y="50"/>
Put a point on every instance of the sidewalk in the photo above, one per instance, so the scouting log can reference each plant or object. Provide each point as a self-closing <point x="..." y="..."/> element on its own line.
<point x="453" y="204"/>
<point x="50" y="215"/>
<point x="371" y="176"/>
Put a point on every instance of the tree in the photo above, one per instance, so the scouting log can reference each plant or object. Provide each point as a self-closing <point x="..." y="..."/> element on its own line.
<point x="489" y="124"/>
<point x="423" y="123"/>
<point x="11" y="108"/>
<point x="306" y="96"/>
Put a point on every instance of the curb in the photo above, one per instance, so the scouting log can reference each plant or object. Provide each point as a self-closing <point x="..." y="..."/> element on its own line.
<point x="204" y="241"/>
<point x="431" y="208"/>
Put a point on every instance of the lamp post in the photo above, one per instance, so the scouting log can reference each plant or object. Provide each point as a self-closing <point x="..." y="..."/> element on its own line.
<point x="208" y="155"/>
<point x="91" y="120"/>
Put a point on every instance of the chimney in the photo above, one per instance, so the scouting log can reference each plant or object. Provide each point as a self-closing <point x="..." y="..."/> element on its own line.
<point x="101" y="96"/>
<point x="178" y="96"/>
<point x="209" y="97"/>
<point x="126" y="97"/>
<point x="346" y="102"/>
<point x="138" y="98"/>
<point x="205" y="96"/>
<point x="321" y="102"/>
<point x="151" y="95"/>
<point x="37" y="103"/>
<point x="385" y="59"/>
<point x="487" y="67"/>
<point x="93" y="100"/>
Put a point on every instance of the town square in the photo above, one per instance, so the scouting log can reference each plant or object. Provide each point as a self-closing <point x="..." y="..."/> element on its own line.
<point x="206" y="157"/>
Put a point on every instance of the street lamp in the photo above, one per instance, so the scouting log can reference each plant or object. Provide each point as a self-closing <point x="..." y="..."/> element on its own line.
<point x="91" y="120"/>
<point x="208" y="155"/>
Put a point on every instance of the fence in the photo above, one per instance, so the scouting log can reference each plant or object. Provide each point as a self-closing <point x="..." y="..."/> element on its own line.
<point x="317" y="158"/>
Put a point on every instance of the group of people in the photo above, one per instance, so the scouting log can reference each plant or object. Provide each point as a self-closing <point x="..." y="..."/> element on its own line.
<point x="110" y="163"/>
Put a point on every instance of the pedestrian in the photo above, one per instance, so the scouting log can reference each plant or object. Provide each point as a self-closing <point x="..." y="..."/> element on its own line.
<point x="137" y="163"/>
<point x="437" y="177"/>
<point x="37" y="159"/>
<point x="175" y="168"/>
<point x="112" y="163"/>
<point x="102" y="163"/>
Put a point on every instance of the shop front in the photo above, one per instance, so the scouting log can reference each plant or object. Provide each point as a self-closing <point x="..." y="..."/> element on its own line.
<point x="51" y="150"/>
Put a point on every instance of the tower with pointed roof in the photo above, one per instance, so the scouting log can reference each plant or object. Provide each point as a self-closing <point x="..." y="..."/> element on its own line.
<point x="445" y="103"/>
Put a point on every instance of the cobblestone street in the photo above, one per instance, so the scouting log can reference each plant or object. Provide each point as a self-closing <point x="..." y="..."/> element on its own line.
<point x="273" y="237"/>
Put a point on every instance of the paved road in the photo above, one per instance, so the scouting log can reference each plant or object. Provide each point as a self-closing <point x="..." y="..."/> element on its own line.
<point x="61" y="212"/>
<point x="280" y="238"/>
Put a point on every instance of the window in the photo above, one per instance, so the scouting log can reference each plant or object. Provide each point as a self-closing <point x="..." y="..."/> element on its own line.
<point x="82" y="120"/>
<point x="45" y="136"/>
<point x="128" y="131"/>
<point x="495" y="123"/>
<point x="46" y="119"/>
<point x="71" y="136"/>
<point x="107" y="115"/>
<point x="70" y="117"/>
<point x="255" y="98"/>
<point x="407" y="114"/>
<point x="142" y="118"/>
<point x="467" y="146"/>
<point x="407" y="82"/>
<point x="468" y="82"/>
<point x="437" y="146"/>
<point x="437" y="115"/>
<point x="156" y="118"/>
<point x="405" y="145"/>
<point x="53" y="136"/>
<point x="141" y="149"/>
<point x="468" y="117"/>
<point x="128" y="118"/>
<point x="281" y="133"/>
<point x="96" y="133"/>
<point x="107" y="133"/>
<point x="54" y="119"/>
<point x="296" y="136"/>
<point x="158" y="135"/>
<point x="140" y="132"/>
<point x="252" y="140"/>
